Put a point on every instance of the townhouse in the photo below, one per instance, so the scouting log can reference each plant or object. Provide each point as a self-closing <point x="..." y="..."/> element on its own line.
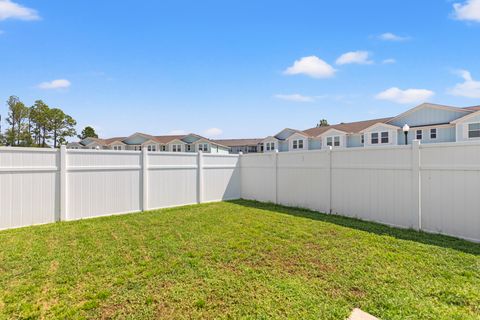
<point x="138" y="141"/>
<point x="430" y="123"/>
<point x="242" y="145"/>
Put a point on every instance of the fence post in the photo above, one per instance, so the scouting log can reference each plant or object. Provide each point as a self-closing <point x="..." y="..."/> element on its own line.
<point x="416" y="181"/>
<point x="199" y="177"/>
<point x="240" y="155"/>
<point x="63" y="184"/>
<point x="275" y="161"/>
<point x="329" y="175"/>
<point x="144" y="179"/>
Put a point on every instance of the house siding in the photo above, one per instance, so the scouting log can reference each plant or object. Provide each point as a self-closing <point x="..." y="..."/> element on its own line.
<point x="460" y="128"/>
<point x="428" y="115"/>
<point x="354" y="141"/>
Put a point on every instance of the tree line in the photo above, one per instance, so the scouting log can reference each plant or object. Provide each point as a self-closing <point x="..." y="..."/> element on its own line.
<point x="38" y="125"/>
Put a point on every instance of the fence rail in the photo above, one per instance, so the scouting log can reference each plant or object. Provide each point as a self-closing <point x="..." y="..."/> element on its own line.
<point x="426" y="187"/>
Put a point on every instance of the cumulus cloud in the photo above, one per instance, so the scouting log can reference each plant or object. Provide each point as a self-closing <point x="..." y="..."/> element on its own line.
<point x="55" y="84"/>
<point x="311" y="66"/>
<point x="468" y="11"/>
<point x="405" y="96"/>
<point x="294" y="97"/>
<point x="388" y="36"/>
<point x="12" y="10"/>
<point x="357" y="57"/>
<point x="213" y="132"/>
<point x="177" y="132"/>
<point x="389" y="61"/>
<point x="469" y="88"/>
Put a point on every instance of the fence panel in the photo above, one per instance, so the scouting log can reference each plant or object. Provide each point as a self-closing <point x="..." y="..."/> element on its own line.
<point x="258" y="177"/>
<point x="303" y="179"/>
<point x="221" y="177"/>
<point x="102" y="183"/>
<point x="172" y="179"/>
<point x="29" y="187"/>
<point x="450" y="189"/>
<point x="374" y="184"/>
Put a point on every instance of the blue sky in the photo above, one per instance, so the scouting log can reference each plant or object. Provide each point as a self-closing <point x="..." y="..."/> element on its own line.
<point x="237" y="68"/>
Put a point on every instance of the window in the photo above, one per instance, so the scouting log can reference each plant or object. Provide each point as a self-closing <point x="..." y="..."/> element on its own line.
<point x="419" y="134"/>
<point x="270" y="146"/>
<point x="374" y="138"/>
<point x="188" y="147"/>
<point x="117" y="147"/>
<point x="333" y="141"/>
<point x="203" y="147"/>
<point x="297" y="144"/>
<point x="336" y="141"/>
<point x="474" y="130"/>
<point x="138" y="148"/>
<point x="163" y="148"/>
<point x="433" y="133"/>
<point x="152" y="147"/>
<point x="362" y="138"/>
<point x="384" y="136"/>
<point x="176" y="148"/>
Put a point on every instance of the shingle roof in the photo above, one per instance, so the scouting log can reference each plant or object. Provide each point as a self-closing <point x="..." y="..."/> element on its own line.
<point x="474" y="108"/>
<point x="167" y="139"/>
<point x="351" y="127"/>
<point x="239" y="142"/>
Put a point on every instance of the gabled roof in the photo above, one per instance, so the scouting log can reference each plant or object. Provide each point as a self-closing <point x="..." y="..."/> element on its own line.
<point x="239" y="142"/>
<point x="430" y="105"/>
<point x="114" y="140"/>
<point x="351" y="127"/>
<point x="468" y="116"/>
<point x="269" y="138"/>
<point x="92" y="140"/>
<point x="167" y="139"/>
<point x="293" y="131"/>
<point x="380" y="124"/>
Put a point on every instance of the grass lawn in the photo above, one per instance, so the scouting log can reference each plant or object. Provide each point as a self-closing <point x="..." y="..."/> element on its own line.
<point x="238" y="259"/>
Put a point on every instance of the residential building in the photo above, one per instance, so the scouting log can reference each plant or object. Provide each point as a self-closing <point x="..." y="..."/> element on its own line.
<point x="242" y="145"/>
<point x="430" y="123"/>
<point x="138" y="141"/>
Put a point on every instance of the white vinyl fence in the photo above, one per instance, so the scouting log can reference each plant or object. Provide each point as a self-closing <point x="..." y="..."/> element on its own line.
<point x="434" y="187"/>
<point x="43" y="185"/>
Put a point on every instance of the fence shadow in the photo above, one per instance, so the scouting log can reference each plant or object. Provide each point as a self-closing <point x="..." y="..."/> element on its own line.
<point x="372" y="227"/>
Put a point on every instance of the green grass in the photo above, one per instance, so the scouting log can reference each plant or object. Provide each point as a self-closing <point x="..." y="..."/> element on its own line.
<point x="238" y="259"/>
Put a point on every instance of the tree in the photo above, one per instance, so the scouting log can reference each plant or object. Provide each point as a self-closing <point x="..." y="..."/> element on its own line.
<point x="322" y="123"/>
<point x="61" y="126"/>
<point x="88" y="132"/>
<point x="17" y="134"/>
<point x="40" y="122"/>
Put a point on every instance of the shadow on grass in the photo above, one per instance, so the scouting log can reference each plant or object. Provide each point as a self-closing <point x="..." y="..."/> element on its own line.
<point x="379" y="229"/>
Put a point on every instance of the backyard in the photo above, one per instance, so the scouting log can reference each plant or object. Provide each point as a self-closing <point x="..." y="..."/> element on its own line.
<point x="238" y="259"/>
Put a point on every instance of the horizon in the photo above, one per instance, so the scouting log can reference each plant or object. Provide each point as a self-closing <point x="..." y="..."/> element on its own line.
<point x="237" y="70"/>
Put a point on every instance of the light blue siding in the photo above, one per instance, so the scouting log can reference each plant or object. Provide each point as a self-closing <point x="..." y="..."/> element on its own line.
<point x="354" y="141"/>
<point x="282" y="146"/>
<point x="190" y="139"/>
<point x="461" y="125"/>
<point x="135" y="140"/>
<point x="444" y="134"/>
<point x="314" y="144"/>
<point x="427" y="116"/>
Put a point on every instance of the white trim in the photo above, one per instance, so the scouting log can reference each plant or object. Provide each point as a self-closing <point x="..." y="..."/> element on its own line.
<point x="332" y="130"/>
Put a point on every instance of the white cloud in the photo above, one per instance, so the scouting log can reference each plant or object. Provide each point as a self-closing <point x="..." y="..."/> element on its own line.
<point x="389" y="61"/>
<point x="212" y="132"/>
<point x="469" y="10"/>
<point x="405" y="96"/>
<point x="55" y="84"/>
<point x="177" y="132"/>
<point x="358" y="57"/>
<point x="294" y="97"/>
<point x="469" y="88"/>
<point x="12" y="10"/>
<point x="311" y="66"/>
<point x="388" y="36"/>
